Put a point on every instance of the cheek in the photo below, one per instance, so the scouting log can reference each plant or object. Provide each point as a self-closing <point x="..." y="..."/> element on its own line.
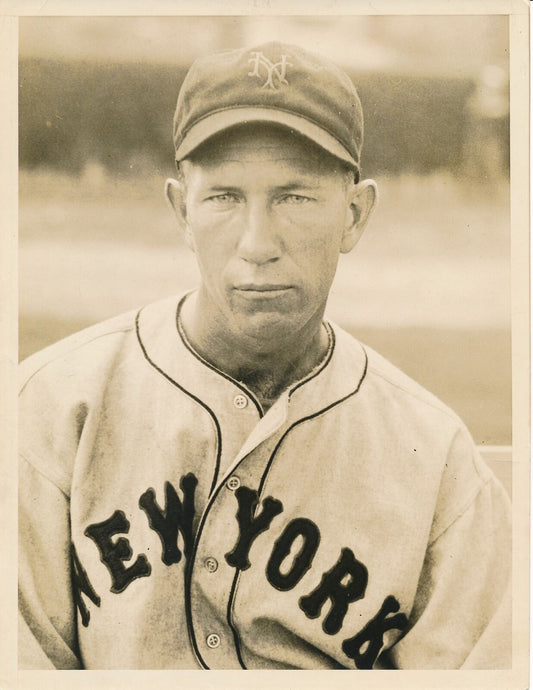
<point x="316" y="245"/>
<point x="213" y="243"/>
<point x="212" y="258"/>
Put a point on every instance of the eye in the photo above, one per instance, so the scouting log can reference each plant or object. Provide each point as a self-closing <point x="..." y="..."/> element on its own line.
<point x="223" y="199"/>
<point x="295" y="199"/>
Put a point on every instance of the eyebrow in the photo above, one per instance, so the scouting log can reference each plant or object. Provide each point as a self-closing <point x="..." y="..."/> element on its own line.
<point x="289" y="187"/>
<point x="297" y="185"/>
<point x="222" y="188"/>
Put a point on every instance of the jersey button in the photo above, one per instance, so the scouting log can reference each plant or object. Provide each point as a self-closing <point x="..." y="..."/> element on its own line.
<point x="233" y="483"/>
<point x="213" y="641"/>
<point x="240" y="401"/>
<point x="211" y="564"/>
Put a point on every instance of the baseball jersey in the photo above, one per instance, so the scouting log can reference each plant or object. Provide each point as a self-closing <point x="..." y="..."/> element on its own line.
<point x="166" y="522"/>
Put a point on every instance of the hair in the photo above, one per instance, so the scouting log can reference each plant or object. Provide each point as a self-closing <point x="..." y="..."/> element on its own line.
<point x="180" y="176"/>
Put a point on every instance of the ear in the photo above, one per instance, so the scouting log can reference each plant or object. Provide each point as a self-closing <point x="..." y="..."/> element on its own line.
<point x="175" y="195"/>
<point x="362" y="198"/>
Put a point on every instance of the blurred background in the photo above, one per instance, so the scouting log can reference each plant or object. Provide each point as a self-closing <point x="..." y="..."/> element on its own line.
<point x="428" y="285"/>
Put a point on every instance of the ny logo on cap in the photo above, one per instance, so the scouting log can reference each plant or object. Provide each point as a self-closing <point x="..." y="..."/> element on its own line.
<point x="272" y="69"/>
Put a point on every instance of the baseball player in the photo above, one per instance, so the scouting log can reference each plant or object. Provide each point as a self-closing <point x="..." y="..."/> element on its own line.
<point x="227" y="480"/>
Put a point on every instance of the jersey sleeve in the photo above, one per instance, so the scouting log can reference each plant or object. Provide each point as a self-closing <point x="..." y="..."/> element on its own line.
<point x="461" y="616"/>
<point x="57" y="389"/>
<point x="47" y="621"/>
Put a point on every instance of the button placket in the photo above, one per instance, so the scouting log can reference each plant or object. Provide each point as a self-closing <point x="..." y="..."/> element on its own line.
<point x="211" y="564"/>
<point x="211" y="584"/>
<point x="233" y="483"/>
<point x="240" y="401"/>
<point x="213" y="640"/>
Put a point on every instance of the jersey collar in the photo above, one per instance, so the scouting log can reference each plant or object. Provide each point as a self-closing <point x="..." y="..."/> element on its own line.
<point x="339" y="375"/>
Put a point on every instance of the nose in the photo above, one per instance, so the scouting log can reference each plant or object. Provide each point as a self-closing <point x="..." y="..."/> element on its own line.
<point x="258" y="243"/>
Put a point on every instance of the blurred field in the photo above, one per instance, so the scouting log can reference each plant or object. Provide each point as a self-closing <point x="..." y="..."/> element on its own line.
<point x="428" y="286"/>
<point x="422" y="118"/>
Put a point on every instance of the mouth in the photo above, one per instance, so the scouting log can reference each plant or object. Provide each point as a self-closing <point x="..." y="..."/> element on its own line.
<point x="261" y="287"/>
<point x="263" y="290"/>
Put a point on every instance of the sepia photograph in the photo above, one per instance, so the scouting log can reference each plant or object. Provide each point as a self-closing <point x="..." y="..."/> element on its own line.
<point x="272" y="415"/>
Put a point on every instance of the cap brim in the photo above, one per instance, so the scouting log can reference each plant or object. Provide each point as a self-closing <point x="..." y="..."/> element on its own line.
<point x="219" y="121"/>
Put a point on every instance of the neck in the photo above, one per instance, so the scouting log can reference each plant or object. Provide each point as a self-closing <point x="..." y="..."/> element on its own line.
<point x="267" y="370"/>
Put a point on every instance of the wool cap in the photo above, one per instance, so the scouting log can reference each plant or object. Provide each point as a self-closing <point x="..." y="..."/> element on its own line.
<point x="275" y="83"/>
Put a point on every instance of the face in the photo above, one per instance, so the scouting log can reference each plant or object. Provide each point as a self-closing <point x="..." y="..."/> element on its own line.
<point x="267" y="214"/>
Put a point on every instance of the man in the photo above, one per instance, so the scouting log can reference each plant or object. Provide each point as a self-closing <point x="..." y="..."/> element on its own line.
<point x="225" y="479"/>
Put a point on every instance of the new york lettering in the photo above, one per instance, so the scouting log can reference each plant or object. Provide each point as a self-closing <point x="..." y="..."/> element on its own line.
<point x="113" y="554"/>
<point x="81" y="585"/>
<point x="335" y="591"/>
<point x="249" y="526"/>
<point x="177" y="517"/>
<point x="341" y="595"/>
<point x="372" y="634"/>
<point x="301" y="527"/>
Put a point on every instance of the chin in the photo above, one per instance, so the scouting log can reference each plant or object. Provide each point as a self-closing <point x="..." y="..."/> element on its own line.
<point x="269" y="327"/>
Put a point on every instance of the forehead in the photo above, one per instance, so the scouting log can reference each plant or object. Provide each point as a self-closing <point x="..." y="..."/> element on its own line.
<point x="265" y="143"/>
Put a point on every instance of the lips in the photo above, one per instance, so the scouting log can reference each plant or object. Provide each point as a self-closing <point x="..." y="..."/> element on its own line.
<point x="262" y="293"/>
<point x="262" y="287"/>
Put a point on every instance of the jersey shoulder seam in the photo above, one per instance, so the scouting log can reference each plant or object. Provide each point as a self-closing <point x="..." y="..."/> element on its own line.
<point x="464" y="509"/>
<point x="56" y="481"/>
<point x="73" y="348"/>
<point x="425" y="399"/>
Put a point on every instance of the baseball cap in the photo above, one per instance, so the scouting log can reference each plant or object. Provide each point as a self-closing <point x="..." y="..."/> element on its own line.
<point x="276" y="83"/>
